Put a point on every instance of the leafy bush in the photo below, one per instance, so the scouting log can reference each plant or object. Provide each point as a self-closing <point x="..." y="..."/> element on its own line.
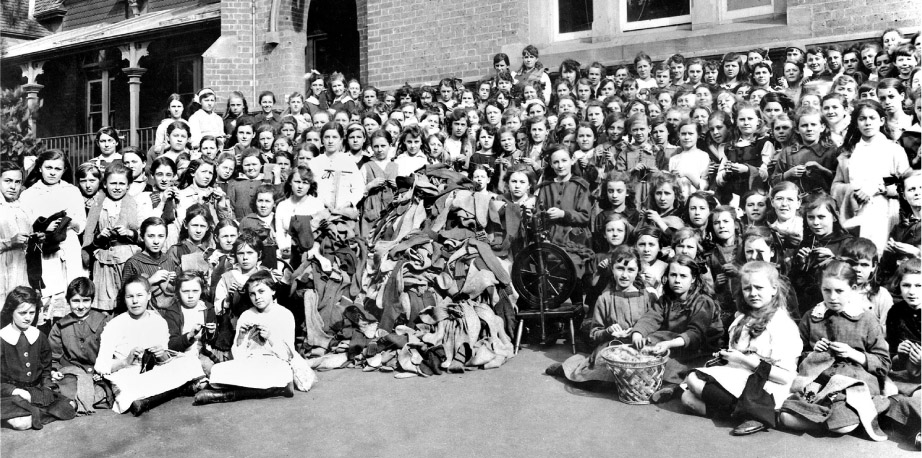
<point x="17" y="137"/>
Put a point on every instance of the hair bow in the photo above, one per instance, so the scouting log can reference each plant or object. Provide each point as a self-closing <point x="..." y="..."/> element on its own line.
<point x="702" y="266"/>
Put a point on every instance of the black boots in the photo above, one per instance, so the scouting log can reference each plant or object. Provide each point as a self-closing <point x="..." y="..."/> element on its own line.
<point x="212" y="396"/>
<point x="143" y="405"/>
<point x="209" y="396"/>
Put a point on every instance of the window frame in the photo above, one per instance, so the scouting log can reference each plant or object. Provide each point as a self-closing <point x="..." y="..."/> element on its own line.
<point x="651" y="23"/>
<point x="105" y="80"/>
<point x="725" y="14"/>
<point x="554" y="17"/>
<point x="196" y="61"/>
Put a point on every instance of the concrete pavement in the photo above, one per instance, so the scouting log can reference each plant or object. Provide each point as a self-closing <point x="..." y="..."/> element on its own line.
<point x="512" y="411"/>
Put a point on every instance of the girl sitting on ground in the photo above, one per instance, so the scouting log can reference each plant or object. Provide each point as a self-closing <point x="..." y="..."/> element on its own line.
<point x="133" y="355"/>
<point x="903" y="337"/>
<point x="25" y="367"/>
<point x="74" y="345"/>
<point x="191" y="319"/>
<point x="764" y="343"/>
<point x="615" y="313"/>
<point x="683" y="322"/>
<point x="845" y="359"/>
<point x="262" y="350"/>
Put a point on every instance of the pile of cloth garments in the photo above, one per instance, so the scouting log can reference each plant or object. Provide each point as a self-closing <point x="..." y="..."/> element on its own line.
<point x="425" y="294"/>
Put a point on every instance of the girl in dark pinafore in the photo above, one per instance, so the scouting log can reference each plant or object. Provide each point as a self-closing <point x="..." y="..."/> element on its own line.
<point x="565" y="200"/>
<point x="27" y="399"/>
<point x="746" y="155"/>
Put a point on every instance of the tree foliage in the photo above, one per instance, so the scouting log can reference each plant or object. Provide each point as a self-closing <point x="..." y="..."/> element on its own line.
<point x="17" y="137"/>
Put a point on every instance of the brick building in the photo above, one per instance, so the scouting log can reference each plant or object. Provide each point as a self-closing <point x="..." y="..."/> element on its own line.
<point x="83" y="58"/>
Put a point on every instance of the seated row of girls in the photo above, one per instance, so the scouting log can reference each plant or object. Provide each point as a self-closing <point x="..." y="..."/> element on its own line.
<point x="134" y="355"/>
<point x="88" y="347"/>
<point x="843" y="364"/>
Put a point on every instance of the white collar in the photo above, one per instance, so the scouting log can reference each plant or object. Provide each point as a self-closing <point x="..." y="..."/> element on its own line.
<point x="852" y="309"/>
<point x="11" y="335"/>
<point x="199" y="306"/>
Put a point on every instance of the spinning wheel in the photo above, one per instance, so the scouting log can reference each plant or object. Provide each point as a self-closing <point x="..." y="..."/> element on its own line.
<point x="544" y="275"/>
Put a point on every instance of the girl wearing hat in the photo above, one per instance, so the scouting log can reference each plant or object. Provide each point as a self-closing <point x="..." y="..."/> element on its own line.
<point x="204" y="121"/>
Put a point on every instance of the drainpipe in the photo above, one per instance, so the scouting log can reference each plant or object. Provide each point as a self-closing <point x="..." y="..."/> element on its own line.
<point x="272" y="36"/>
<point x="253" y="44"/>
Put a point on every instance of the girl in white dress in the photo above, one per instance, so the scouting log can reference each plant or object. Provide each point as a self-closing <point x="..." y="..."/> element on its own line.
<point x="130" y="339"/>
<point x="46" y="194"/>
<point x="262" y="350"/>
<point x="763" y="339"/>
<point x="868" y="158"/>
<point x="15" y="229"/>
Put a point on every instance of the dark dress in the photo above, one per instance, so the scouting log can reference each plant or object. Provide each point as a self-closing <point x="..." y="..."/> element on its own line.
<point x="723" y="294"/>
<point x="804" y="272"/>
<point x="25" y="363"/>
<point x="903" y="324"/>
<point x="826" y="154"/>
<point x="75" y="341"/>
<point x="909" y="230"/>
<point x="240" y="194"/>
<point x="741" y="183"/>
<point x="173" y="315"/>
<point x="144" y="265"/>
<point x="695" y="320"/>
<point x="74" y="348"/>
<point x="861" y="331"/>
<point x="572" y="231"/>
<point x="186" y="251"/>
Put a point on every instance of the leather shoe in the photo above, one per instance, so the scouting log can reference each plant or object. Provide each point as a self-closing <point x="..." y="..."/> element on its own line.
<point x="555" y="370"/>
<point x="139" y="407"/>
<point x="748" y="427"/>
<point x="208" y="396"/>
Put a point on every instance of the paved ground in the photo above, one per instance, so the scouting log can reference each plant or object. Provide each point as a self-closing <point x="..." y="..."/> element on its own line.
<point x="511" y="411"/>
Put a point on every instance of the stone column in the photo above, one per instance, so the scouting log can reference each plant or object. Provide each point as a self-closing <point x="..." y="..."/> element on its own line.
<point x="133" y="52"/>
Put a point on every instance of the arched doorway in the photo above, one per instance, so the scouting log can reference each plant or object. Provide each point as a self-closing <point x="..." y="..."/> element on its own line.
<point x="333" y="38"/>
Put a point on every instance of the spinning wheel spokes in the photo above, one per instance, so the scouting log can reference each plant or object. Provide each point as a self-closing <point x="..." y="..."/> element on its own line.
<point x="543" y="272"/>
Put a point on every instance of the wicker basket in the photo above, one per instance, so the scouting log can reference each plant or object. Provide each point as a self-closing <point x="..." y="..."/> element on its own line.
<point x="636" y="381"/>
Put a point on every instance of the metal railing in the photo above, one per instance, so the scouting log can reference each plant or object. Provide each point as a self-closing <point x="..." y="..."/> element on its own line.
<point x="79" y="147"/>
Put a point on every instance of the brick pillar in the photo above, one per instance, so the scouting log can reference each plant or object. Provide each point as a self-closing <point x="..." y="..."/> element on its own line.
<point x="280" y="67"/>
<point x="242" y="59"/>
<point x="361" y="10"/>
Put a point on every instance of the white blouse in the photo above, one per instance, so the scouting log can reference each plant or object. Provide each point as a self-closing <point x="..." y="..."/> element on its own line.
<point x="123" y="334"/>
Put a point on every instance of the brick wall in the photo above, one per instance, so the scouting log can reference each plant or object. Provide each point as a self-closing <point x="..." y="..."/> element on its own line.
<point x="418" y="41"/>
<point x="280" y="68"/>
<point x="840" y="17"/>
<point x="228" y="64"/>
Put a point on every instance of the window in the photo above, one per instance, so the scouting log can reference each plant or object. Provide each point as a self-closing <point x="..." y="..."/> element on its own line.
<point x="735" y="9"/>
<point x="572" y="19"/>
<point x="98" y="113"/>
<point x="187" y="76"/>
<point x="645" y="14"/>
